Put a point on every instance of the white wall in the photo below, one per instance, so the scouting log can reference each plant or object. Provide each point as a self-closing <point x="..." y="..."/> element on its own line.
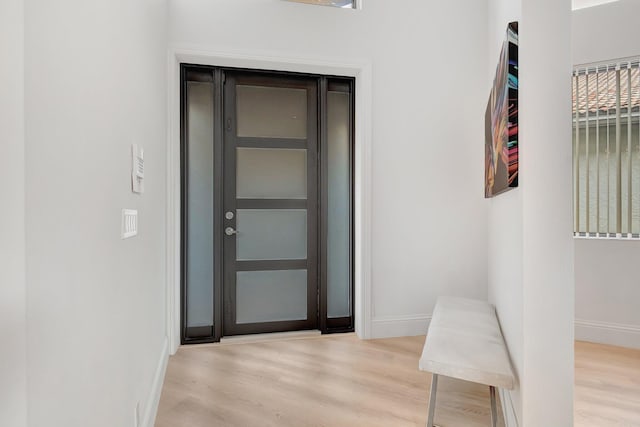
<point x="615" y="37"/>
<point x="607" y="292"/>
<point x="13" y="374"/>
<point x="428" y="231"/>
<point x="530" y="246"/>
<point x="505" y="227"/>
<point x="95" y="82"/>
<point x="548" y="255"/>
<point x="607" y="288"/>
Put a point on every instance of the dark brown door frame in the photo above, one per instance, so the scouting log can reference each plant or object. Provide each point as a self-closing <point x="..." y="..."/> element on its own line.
<point x="212" y="333"/>
<point x="217" y="75"/>
<point x="345" y="85"/>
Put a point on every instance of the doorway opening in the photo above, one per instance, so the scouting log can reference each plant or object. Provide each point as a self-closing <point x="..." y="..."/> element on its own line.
<point x="267" y="177"/>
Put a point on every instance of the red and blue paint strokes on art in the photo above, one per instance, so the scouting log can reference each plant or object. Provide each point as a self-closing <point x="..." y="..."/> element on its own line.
<point x="501" y="121"/>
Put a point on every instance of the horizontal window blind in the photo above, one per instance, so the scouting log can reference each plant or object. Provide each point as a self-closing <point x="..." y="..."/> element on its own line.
<point x="606" y="150"/>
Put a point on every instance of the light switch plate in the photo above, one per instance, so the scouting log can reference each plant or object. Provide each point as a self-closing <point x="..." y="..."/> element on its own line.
<point x="129" y="226"/>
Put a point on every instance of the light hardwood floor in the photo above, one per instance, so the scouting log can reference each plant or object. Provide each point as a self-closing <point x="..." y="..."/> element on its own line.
<point x="607" y="392"/>
<point x="339" y="380"/>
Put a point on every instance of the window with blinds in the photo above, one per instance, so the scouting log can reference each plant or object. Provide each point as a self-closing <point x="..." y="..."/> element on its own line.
<point x="606" y="150"/>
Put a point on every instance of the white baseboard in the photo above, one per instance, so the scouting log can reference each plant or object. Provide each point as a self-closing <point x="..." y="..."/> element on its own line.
<point x="508" y="410"/>
<point x="400" y="326"/>
<point x="151" y="408"/>
<point x="608" y="333"/>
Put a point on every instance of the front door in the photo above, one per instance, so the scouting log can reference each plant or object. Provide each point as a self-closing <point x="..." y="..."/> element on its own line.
<point x="267" y="202"/>
<point x="270" y="220"/>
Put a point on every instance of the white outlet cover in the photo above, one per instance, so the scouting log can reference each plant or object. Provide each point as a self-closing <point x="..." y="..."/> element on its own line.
<point x="129" y="225"/>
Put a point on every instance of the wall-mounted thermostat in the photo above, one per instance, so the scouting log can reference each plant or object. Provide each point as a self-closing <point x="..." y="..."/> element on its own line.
<point x="137" y="169"/>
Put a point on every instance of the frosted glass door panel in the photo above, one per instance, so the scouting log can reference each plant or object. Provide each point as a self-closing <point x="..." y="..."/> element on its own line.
<point x="271" y="234"/>
<point x="271" y="296"/>
<point x="338" y="228"/>
<point x="270" y="173"/>
<point x="199" y="258"/>
<point x="271" y="112"/>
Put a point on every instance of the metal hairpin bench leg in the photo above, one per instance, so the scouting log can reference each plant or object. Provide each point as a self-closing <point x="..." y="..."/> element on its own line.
<point x="432" y="400"/>
<point x="494" y="410"/>
<point x="432" y="403"/>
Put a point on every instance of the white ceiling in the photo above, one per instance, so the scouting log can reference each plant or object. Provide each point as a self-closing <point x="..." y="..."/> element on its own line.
<point x="581" y="4"/>
<point x="336" y="3"/>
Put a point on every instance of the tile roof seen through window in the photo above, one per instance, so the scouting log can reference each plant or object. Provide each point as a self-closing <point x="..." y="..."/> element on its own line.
<point x="596" y="90"/>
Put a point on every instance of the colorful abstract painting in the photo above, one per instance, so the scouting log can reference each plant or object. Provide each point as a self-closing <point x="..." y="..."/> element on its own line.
<point x="501" y="121"/>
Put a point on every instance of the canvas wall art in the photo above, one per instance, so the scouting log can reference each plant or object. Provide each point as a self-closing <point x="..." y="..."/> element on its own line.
<point x="501" y="121"/>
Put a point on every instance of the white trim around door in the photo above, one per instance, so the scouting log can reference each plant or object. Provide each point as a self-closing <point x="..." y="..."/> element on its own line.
<point x="361" y="70"/>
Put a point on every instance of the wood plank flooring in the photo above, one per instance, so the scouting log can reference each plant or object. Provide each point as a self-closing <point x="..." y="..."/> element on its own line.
<point x="607" y="392"/>
<point x="334" y="380"/>
<point x="339" y="380"/>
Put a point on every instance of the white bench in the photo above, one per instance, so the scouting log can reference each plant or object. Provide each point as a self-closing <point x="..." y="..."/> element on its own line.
<point x="464" y="341"/>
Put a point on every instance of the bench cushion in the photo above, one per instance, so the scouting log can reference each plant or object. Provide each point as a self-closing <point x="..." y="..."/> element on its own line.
<point x="464" y="341"/>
